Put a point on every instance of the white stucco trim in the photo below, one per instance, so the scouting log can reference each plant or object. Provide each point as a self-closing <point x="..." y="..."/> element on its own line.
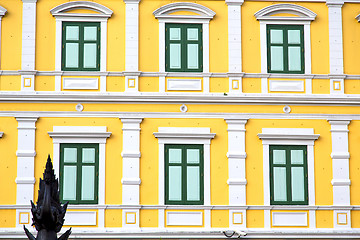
<point x="288" y="136"/>
<point x="183" y="135"/>
<point x="83" y="134"/>
<point x="131" y="35"/>
<point x="204" y="15"/>
<point x="2" y="13"/>
<point x="303" y="16"/>
<point x="61" y="15"/>
<point x="358" y="18"/>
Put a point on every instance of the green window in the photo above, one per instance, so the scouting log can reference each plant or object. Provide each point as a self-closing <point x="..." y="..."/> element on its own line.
<point x="183" y="48"/>
<point x="184" y="174"/>
<point x="79" y="171"/>
<point x="80" y="46"/>
<point x="285" y="48"/>
<point x="288" y="175"/>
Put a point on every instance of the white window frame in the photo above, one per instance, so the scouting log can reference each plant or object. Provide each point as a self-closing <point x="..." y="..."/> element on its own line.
<point x="203" y="16"/>
<point x="303" y="17"/>
<point x="61" y="15"/>
<point x="81" y="134"/>
<point x="184" y="136"/>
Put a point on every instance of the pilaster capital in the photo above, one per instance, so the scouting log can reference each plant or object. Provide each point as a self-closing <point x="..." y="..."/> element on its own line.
<point x="334" y="3"/>
<point x="29" y="1"/>
<point x="345" y="122"/>
<point x="26" y="119"/>
<point x="234" y="2"/>
<point x="132" y="1"/>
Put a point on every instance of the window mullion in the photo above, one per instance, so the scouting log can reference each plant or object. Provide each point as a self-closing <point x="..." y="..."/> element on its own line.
<point x="286" y="50"/>
<point x="288" y="175"/>
<point x="184" y="48"/>
<point x="78" y="178"/>
<point x="184" y="175"/>
<point x="81" y="46"/>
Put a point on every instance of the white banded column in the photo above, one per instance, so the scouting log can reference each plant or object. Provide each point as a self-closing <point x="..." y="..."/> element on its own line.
<point x="131" y="171"/>
<point x="336" y="46"/>
<point x="237" y="174"/>
<point x="340" y="163"/>
<point x="234" y="32"/>
<point x="25" y="153"/>
<point x="132" y="46"/>
<point x="27" y="71"/>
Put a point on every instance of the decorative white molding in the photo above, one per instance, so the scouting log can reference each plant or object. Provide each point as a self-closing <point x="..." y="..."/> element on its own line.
<point x="62" y="9"/>
<point x="286" y="86"/>
<point x="131" y="163"/>
<point x="288" y="136"/>
<point x="1" y="134"/>
<point x="234" y="36"/>
<point x="302" y="13"/>
<point x="2" y="13"/>
<point x="83" y="134"/>
<point x="236" y="162"/>
<point x="340" y="162"/>
<point x="234" y="2"/>
<point x="184" y="135"/>
<point x="358" y="18"/>
<point x="131" y="35"/>
<point x="184" y="218"/>
<point x="342" y="219"/>
<point x="25" y="178"/>
<point x="290" y="219"/>
<point x="203" y="16"/>
<point x="303" y="16"/>
<point x="184" y="84"/>
<point x="81" y="83"/>
<point x="201" y="12"/>
<point x="77" y="218"/>
<point x="61" y="14"/>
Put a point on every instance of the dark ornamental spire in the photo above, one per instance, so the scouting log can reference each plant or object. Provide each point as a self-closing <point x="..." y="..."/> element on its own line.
<point x="48" y="214"/>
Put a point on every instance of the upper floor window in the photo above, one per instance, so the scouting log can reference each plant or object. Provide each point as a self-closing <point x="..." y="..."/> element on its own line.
<point x="285" y="48"/>
<point x="184" y="37"/>
<point x="79" y="171"/>
<point x="183" y="47"/>
<point x="285" y="38"/>
<point x="288" y="175"/>
<point x="184" y="174"/>
<point x="81" y="46"/>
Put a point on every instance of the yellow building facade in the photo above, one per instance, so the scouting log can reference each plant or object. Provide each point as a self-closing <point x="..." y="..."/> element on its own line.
<point x="183" y="119"/>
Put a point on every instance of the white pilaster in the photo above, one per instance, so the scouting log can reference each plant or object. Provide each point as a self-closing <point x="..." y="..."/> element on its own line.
<point x="336" y="44"/>
<point x="340" y="161"/>
<point x="25" y="153"/>
<point x="131" y="170"/>
<point x="28" y="44"/>
<point x="236" y="156"/>
<point x="234" y="32"/>
<point x="2" y="13"/>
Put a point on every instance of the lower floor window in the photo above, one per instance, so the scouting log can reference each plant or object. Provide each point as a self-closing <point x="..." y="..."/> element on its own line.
<point x="79" y="171"/>
<point x="184" y="174"/>
<point x="288" y="175"/>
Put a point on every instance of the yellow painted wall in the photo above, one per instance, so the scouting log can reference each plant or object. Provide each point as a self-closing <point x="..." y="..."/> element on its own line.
<point x="324" y="219"/>
<point x="251" y="85"/>
<point x="351" y="38"/>
<point x="355" y="219"/>
<point x="8" y="147"/>
<point x="219" y="85"/>
<point x="352" y="86"/>
<point x="11" y="35"/>
<point x="149" y="148"/>
<point x="220" y="218"/>
<point x="115" y="84"/>
<point x="113" y="218"/>
<point x="7" y="218"/>
<point x="45" y="83"/>
<point x="255" y="218"/>
<point x="10" y="83"/>
<point x="321" y="86"/>
<point x="149" y="218"/>
<point x="149" y="84"/>
<point x="254" y="160"/>
<point x="113" y="167"/>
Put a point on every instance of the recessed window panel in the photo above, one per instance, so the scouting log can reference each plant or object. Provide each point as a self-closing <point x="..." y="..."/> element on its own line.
<point x="193" y="183"/>
<point x="276" y="36"/>
<point x="69" y="187"/>
<point x="88" y="183"/>
<point x="90" y="33"/>
<point x="175" y="34"/>
<point x="193" y="56"/>
<point x="175" y="155"/>
<point x="175" y="183"/>
<point x="175" y="56"/>
<point x="72" y="32"/>
<point x="72" y="55"/>
<point x="280" y="184"/>
<point x="277" y="58"/>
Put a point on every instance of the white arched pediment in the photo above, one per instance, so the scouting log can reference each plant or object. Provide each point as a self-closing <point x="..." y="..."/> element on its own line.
<point x="297" y="12"/>
<point x="200" y="11"/>
<point x="2" y="11"/>
<point x="62" y="10"/>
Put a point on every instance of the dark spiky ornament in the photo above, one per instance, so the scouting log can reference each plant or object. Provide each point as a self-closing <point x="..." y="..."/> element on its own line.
<point x="48" y="214"/>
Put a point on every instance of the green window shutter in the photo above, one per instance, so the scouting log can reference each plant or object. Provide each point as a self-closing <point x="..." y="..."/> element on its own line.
<point x="80" y="46"/>
<point x="183" y="48"/>
<point x="79" y="170"/>
<point x="288" y="175"/>
<point x="184" y="174"/>
<point x="285" y="49"/>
